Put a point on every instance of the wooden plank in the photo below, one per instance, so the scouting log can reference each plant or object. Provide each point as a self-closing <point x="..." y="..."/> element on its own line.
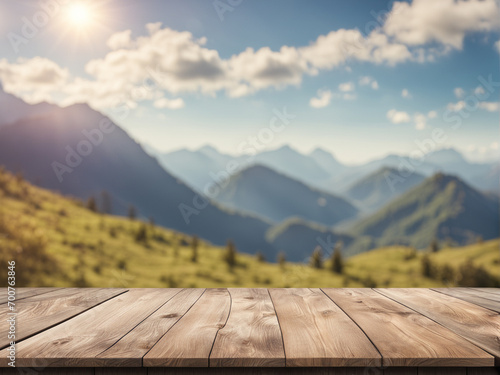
<point x="477" y="324"/>
<point x="130" y="349"/>
<point x="495" y="291"/>
<point x="76" y="342"/>
<point x="479" y="293"/>
<point x="22" y="293"/>
<point x="189" y="342"/>
<point x="252" y="335"/>
<point x="317" y="333"/>
<point x="404" y="337"/>
<point x="470" y="297"/>
<point x="42" y="311"/>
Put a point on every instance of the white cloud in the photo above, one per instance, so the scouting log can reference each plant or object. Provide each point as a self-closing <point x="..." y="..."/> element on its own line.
<point x="119" y="40"/>
<point x="479" y="91"/>
<point x="34" y="79"/>
<point x="456" y="107"/>
<point x="420" y="121"/>
<point x="459" y="92"/>
<point x="346" y="87"/>
<point x="169" y="103"/>
<point x="432" y="114"/>
<point x="460" y="105"/>
<point x="497" y="46"/>
<point x="494" y="146"/>
<point x="335" y="48"/>
<point x="323" y="99"/>
<point x="490" y="106"/>
<point x="368" y="81"/>
<point x="398" y="117"/>
<point x="445" y="21"/>
<point x="405" y="94"/>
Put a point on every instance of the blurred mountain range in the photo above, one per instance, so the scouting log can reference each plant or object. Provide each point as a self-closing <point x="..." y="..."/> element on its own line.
<point x="278" y="200"/>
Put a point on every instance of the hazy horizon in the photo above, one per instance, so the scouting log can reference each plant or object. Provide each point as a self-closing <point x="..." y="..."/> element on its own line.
<point x="335" y="155"/>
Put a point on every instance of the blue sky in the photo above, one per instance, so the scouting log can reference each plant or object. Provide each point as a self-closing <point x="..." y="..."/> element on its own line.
<point x="340" y="68"/>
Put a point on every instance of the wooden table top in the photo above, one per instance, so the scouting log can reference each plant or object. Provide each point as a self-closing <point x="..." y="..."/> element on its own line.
<point x="71" y="327"/>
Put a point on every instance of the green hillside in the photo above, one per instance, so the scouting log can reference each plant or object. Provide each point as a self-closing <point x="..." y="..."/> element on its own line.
<point x="374" y="191"/>
<point x="59" y="241"/>
<point x="442" y="207"/>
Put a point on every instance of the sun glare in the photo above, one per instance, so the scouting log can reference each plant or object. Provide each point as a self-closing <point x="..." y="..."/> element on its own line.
<point x="79" y="14"/>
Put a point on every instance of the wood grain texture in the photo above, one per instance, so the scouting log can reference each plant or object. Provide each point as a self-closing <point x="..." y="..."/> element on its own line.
<point x="495" y="291"/>
<point x="479" y="293"/>
<point x="251" y="336"/>
<point x="42" y="311"/>
<point x="130" y="349"/>
<point x="189" y="342"/>
<point x="477" y="324"/>
<point x="405" y="337"/>
<point x="317" y="333"/>
<point x="471" y="297"/>
<point x="76" y="342"/>
<point x="22" y="293"/>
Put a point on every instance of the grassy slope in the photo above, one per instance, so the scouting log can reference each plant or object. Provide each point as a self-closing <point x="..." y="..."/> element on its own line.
<point x="87" y="249"/>
<point x="423" y="212"/>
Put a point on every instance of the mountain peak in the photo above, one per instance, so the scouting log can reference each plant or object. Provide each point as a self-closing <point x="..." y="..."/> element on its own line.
<point x="208" y="148"/>
<point x="443" y="179"/>
<point x="286" y="148"/>
<point x="318" y="151"/>
<point x="445" y="155"/>
<point x="79" y="106"/>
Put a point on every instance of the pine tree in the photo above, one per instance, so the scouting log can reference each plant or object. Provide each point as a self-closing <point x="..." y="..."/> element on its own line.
<point x="194" y="248"/>
<point x="91" y="204"/>
<point x="132" y="212"/>
<point x="434" y="245"/>
<point x="427" y="267"/>
<point x="142" y="234"/>
<point x="281" y="259"/>
<point x="106" y="204"/>
<point x="230" y="256"/>
<point x="337" y="262"/>
<point x="317" y="258"/>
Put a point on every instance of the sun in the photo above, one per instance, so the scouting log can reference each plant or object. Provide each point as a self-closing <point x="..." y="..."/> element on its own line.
<point x="79" y="14"/>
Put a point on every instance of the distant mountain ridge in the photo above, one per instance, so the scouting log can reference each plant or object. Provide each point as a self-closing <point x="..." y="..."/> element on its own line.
<point x="320" y="169"/>
<point x="118" y="165"/>
<point x="380" y="187"/>
<point x="13" y="109"/>
<point x="267" y="193"/>
<point x="67" y="150"/>
<point x="442" y="207"/>
<point x="80" y="152"/>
